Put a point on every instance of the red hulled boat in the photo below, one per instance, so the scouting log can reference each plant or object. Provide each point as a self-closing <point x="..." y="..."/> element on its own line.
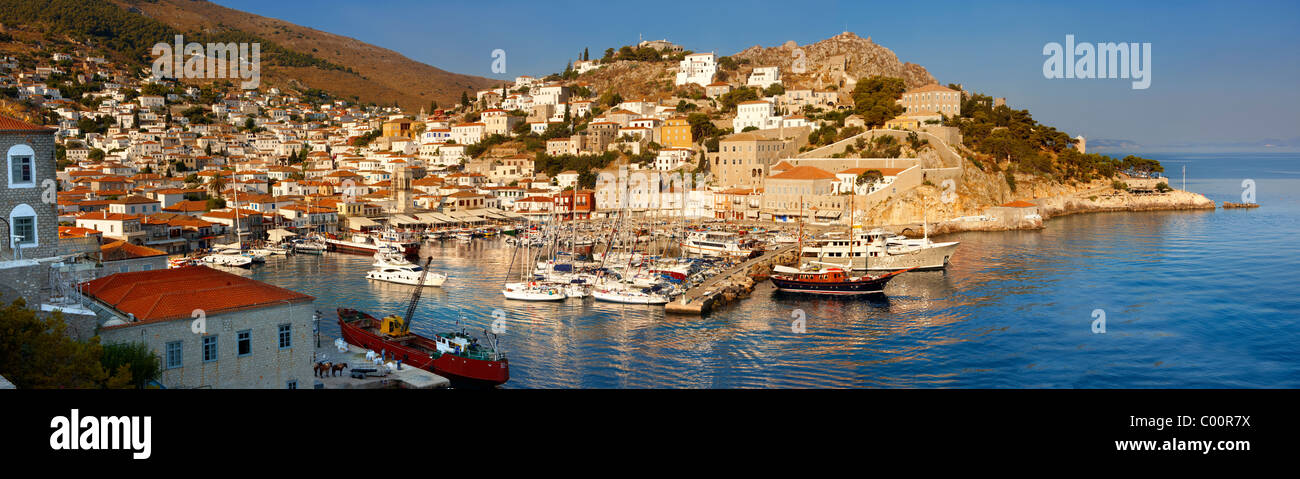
<point x="456" y="356"/>
<point x="831" y="281"/>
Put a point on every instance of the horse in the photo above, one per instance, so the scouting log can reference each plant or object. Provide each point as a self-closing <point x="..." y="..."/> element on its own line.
<point x="322" y="368"/>
<point x="337" y="368"/>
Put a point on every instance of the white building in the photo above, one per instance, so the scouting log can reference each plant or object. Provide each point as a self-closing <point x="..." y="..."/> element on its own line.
<point x="764" y="77"/>
<point x="468" y="133"/>
<point x="758" y="113"/>
<point x="672" y="158"/>
<point x="697" y="68"/>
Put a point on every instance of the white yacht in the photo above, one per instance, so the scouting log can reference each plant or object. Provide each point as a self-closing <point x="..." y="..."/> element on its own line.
<point x="715" y="243"/>
<point x="405" y="274"/>
<point x="878" y="250"/>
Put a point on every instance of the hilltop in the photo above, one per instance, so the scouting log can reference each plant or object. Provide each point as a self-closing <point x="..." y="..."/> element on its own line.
<point x="842" y="58"/>
<point x="293" y="56"/>
<point x="836" y="62"/>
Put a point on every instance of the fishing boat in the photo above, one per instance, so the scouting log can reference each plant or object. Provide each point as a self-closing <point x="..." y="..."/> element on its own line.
<point x="830" y="281"/>
<point x="454" y="355"/>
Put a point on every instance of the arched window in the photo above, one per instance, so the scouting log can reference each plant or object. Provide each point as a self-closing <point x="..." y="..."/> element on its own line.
<point x="22" y="227"/>
<point x="22" y="166"/>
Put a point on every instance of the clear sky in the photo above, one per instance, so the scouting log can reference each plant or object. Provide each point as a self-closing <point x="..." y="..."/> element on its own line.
<point x="1222" y="72"/>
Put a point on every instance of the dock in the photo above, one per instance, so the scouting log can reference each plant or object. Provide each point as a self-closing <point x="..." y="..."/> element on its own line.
<point x="406" y="378"/>
<point x="702" y="298"/>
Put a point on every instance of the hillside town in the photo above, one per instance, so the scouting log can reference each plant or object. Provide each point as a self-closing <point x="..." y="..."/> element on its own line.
<point x="120" y="178"/>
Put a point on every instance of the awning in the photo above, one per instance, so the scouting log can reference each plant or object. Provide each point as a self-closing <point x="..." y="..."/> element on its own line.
<point x="441" y="217"/>
<point x="360" y="222"/>
<point x="405" y="220"/>
<point x="430" y="218"/>
<point x="279" y="234"/>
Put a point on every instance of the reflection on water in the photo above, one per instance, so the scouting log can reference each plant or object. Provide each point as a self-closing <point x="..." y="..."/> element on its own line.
<point x="1192" y="299"/>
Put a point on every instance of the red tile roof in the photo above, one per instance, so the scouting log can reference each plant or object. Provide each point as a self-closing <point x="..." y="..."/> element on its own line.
<point x="162" y="295"/>
<point x="13" y="124"/>
<point x="121" y="250"/>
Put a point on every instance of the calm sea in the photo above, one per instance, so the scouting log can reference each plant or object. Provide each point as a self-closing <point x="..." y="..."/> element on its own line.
<point x="1190" y="299"/>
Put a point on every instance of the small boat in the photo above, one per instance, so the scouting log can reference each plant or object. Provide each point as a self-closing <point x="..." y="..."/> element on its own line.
<point x="310" y="246"/>
<point x="225" y="259"/>
<point x="628" y="296"/>
<point x="184" y="261"/>
<point x="830" y="281"/>
<point x="453" y="355"/>
<point x="532" y="291"/>
<point x="576" y="290"/>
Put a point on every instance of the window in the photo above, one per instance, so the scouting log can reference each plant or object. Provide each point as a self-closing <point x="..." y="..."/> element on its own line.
<point x="286" y="336"/>
<point x="291" y="384"/>
<point x="21" y="166"/>
<point x="209" y="349"/>
<point x="22" y="227"/>
<point x="174" y="355"/>
<point x="244" y="343"/>
<point x="24" y="230"/>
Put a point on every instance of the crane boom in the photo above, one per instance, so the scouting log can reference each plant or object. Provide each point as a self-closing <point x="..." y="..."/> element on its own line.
<point x="415" y="296"/>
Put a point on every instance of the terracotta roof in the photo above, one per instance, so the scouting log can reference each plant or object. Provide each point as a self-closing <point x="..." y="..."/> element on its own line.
<point x="804" y="173"/>
<point x="14" y="124"/>
<point x="933" y="87"/>
<point x="121" y="250"/>
<point x="162" y="295"/>
<point x="1020" y="204"/>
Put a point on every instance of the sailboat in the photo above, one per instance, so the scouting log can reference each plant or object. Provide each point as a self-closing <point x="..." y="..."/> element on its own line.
<point x="832" y="280"/>
<point x="528" y="289"/>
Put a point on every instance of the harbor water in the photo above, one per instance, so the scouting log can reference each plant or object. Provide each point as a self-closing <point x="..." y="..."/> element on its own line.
<point x="1189" y="299"/>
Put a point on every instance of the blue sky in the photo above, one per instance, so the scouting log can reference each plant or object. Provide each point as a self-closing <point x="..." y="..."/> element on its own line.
<point x="1222" y="72"/>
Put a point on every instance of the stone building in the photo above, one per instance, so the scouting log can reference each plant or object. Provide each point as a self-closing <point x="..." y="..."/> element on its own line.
<point x="28" y="212"/>
<point x="252" y="334"/>
<point x="744" y="159"/>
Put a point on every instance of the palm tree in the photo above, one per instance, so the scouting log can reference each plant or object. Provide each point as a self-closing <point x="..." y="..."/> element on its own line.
<point x="216" y="185"/>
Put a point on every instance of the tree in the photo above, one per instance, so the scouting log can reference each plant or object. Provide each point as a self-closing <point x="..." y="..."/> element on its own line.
<point x="37" y="353"/>
<point x="464" y="99"/>
<point x="586" y="56"/>
<point x="143" y="364"/>
<point x="216" y="185"/>
<point x="869" y="177"/>
<point x="875" y="99"/>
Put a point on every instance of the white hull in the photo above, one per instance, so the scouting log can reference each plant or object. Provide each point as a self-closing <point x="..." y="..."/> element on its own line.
<point x="408" y="278"/>
<point x="236" y="261"/>
<point x="524" y="292"/>
<point x="628" y="297"/>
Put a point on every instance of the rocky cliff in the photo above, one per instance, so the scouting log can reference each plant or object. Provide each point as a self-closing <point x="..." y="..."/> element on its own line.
<point x="846" y="56"/>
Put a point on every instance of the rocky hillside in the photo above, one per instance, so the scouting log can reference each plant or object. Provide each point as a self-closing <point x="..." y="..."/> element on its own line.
<point x="378" y="75"/>
<point x="838" y="61"/>
<point x="844" y="57"/>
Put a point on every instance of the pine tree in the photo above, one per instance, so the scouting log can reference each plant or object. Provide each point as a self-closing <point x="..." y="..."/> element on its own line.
<point x="586" y="55"/>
